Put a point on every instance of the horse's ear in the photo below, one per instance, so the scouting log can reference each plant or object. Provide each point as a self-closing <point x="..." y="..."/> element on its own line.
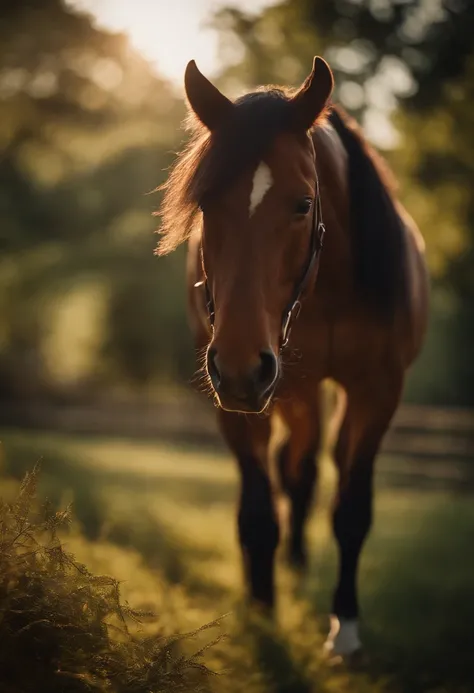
<point x="207" y="102"/>
<point x="312" y="97"/>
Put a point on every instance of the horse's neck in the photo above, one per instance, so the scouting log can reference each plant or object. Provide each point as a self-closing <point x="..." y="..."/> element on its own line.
<point x="335" y="276"/>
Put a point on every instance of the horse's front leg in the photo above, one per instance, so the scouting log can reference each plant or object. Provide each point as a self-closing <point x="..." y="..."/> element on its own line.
<point x="368" y="415"/>
<point x="248" y="438"/>
<point x="298" y="469"/>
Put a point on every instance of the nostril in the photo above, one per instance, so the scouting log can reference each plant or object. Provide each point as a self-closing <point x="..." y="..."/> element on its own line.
<point x="212" y="367"/>
<point x="268" y="369"/>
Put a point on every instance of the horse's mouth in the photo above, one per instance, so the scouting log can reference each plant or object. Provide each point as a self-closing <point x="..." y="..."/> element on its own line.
<point x="243" y="407"/>
<point x="246" y="405"/>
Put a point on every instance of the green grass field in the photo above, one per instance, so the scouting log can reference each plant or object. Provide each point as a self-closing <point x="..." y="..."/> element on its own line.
<point x="161" y="519"/>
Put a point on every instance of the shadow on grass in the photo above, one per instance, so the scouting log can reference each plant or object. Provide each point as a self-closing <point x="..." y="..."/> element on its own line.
<point x="273" y="656"/>
<point x="132" y="525"/>
<point x="75" y="470"/>
<point x="163" y="549"/>
<point x="267" y="651"/>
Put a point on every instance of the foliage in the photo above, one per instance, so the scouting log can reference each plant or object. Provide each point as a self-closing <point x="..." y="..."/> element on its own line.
<point x="424" y="44"/>
<point x="85" y="132"/>
<point x="64" y="629"/>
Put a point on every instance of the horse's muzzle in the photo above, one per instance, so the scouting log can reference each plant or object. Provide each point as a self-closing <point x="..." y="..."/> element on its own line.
<point x="248" y="391"/>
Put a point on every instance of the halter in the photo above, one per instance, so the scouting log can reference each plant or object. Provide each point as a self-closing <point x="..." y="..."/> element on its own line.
<point x="293" y="307"/>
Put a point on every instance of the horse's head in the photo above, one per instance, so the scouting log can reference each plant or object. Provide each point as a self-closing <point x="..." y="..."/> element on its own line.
<point x="251" y="171"/>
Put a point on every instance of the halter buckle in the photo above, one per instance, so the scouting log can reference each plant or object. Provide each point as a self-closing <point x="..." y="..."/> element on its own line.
<point x="288" y="323"/>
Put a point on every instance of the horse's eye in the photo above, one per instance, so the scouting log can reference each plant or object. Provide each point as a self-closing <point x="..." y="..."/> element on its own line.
<point x="303" y="206"/>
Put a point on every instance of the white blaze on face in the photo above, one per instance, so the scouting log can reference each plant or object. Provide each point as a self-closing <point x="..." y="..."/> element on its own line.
<point x="262" y="182"/>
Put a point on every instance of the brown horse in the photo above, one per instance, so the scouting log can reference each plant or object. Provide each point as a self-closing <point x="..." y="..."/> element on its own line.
<point x="250" y="192"/>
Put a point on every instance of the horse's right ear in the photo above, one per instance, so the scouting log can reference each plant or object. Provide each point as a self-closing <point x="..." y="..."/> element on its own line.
<point x="207" y="102"/>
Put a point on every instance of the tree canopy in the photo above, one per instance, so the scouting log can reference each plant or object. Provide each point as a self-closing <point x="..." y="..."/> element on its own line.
<point x="86" y="130"/>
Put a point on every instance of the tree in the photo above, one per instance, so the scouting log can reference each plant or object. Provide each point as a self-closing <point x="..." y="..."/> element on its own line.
<point x="85" y="133"/>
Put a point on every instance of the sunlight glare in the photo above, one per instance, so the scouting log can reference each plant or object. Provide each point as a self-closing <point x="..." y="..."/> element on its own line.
<point x="168" y="34"/>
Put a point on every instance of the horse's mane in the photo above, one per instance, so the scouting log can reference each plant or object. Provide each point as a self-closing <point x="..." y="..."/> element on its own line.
<point x="378" y="237"/>
<point x="209" y="163"/>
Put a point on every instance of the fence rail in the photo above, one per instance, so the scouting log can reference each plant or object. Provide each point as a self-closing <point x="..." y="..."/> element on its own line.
<point x="416" y="431"/>
<point x="425" y="448"/>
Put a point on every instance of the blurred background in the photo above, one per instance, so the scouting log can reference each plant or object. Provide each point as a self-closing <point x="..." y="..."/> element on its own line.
<point x="91" y="104"/>
<point x="93" y="332"/>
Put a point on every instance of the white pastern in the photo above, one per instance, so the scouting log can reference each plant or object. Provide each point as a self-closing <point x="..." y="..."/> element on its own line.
<point x="343" y="638"/>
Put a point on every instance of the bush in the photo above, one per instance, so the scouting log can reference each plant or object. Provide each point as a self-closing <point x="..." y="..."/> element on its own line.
<point x="63" y="629"/>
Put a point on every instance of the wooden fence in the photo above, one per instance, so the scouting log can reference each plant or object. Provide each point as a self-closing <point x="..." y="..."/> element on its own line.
<point x="426" y="447"/>
<point x="432" y="432"/>
<point x="423" y="432"/>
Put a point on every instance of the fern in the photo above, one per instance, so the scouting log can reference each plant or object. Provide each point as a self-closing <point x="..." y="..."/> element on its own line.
<point x="63" y="629"/>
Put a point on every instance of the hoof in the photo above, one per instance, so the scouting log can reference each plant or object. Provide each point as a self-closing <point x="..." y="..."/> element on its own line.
<point x="343" y="642"/>
<point x="356" y="662"/>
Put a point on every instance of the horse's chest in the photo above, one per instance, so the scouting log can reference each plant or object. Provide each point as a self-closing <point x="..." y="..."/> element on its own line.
<point x="341" y="349"/>
<point x="356" y="349"/>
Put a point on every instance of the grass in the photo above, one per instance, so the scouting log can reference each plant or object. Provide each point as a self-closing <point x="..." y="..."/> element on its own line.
<point x="161" y="519"/>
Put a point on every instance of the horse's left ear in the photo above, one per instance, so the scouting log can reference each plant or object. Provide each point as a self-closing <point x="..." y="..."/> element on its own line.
<point x="312" y="97"/>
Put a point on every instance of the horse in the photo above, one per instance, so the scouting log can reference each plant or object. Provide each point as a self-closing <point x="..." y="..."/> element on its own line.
<point x="302" y="267"/>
